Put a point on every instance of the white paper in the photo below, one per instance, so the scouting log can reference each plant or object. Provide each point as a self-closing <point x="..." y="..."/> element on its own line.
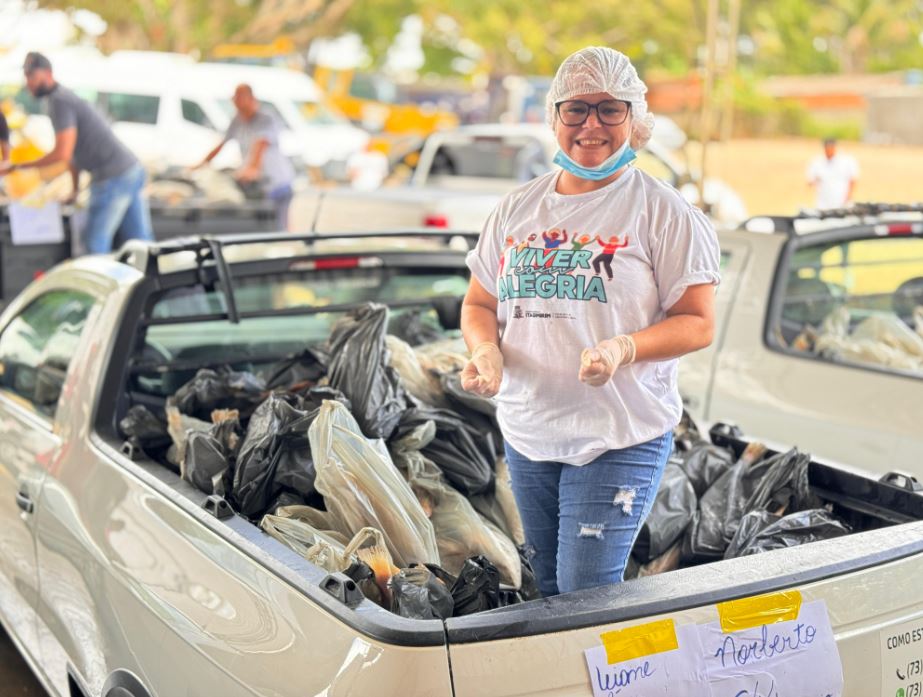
<point x="902" y="659"/>
<point x="783" y="659"/>
<point x="36" y="224"/>
<point x="677" y="672"/>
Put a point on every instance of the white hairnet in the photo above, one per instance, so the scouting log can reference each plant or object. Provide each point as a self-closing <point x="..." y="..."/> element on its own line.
<point x="603" y="69"/>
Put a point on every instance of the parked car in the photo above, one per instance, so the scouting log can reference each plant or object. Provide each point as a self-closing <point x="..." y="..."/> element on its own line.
<point x="459" y="176"/>
<point x="117" y="577"/>
<point x="819" y="336"/>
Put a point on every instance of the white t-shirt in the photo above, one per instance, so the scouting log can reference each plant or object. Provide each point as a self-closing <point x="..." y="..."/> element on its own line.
<point x="832" y="179"/>
<point x="555" y="298"/>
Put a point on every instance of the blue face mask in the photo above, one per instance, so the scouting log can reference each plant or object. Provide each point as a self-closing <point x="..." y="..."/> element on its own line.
<point x="610" y="166"/>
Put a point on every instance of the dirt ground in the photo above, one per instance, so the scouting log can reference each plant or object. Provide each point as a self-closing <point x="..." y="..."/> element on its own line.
<point x="770" y="174"/>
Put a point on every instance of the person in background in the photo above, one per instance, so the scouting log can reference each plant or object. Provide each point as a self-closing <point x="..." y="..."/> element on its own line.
<point x="257" y="132"/>
<point x="84" y="141"/>
<point x="4" y="138"/>
<point x="833" y="177"/>
<point x="367" y="169"/>
<point x="584" y="368"/>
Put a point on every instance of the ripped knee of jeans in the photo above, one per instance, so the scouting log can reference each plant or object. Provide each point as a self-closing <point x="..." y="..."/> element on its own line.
<point x="591" y="531"/>
<point x="625" y="498"/>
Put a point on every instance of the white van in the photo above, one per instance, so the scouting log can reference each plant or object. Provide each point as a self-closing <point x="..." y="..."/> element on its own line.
<point x="171" y="111"/>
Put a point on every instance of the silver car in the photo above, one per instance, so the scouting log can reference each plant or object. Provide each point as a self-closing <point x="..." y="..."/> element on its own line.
<point x="119" y="578"/>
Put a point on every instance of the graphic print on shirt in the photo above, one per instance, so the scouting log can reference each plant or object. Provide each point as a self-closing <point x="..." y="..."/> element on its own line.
<point x="609" y="250"/>
<point x="550" y="272"/>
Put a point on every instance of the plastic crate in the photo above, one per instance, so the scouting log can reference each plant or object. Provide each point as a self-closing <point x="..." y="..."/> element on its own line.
<point x="20" y="264"/>
<point x="185" y="220"/>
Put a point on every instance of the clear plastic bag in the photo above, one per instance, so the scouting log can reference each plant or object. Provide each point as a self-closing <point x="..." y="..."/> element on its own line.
<point x="363" y="488"/>
<point x="420" y="383"/>
<point x="499" y="505"/>
<point x="460" y="531"/>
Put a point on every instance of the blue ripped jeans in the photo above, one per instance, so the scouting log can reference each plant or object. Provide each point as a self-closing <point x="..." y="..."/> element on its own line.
<point x="582" y="521"/>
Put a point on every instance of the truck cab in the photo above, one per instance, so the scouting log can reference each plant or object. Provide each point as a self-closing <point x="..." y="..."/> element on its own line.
<point x="819" y="337"/>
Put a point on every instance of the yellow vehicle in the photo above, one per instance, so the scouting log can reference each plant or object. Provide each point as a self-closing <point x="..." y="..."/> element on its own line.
<point x="370" y="101"/>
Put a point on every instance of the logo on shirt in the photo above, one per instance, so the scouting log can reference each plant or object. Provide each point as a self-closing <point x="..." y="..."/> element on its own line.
<point x="551" y="272"/>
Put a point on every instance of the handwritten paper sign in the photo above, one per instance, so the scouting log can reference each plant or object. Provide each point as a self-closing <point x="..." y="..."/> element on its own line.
<point x="647" y="660"/>
<point x="36" y="224"/>
<point x="772" y="646"/>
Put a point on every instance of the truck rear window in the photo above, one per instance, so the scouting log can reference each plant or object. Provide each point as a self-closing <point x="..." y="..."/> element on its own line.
<point x="280" y="315"/>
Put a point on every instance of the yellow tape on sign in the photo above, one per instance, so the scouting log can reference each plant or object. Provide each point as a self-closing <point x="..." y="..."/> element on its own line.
<point x="758" y="610"/>
<point x="642" y="640"/>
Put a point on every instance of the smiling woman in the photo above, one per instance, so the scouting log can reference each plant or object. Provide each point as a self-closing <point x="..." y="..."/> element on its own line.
<point x="587" y="283"/>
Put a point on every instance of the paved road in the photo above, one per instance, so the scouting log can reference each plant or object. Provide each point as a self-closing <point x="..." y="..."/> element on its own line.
<point x="15" y="677"/>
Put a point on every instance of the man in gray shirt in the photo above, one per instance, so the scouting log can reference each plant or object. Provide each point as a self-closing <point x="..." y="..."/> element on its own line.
<point x="257" y="132"/>
<point x="84" y="141"/>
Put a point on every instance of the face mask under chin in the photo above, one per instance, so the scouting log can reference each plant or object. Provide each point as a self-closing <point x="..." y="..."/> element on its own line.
<point x="612" y="164"/>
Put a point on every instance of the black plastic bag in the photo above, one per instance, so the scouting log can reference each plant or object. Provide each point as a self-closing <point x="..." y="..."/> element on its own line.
<point x="418" y="593"/>
<point x="464" y="454"/>
<point x="359" y="369"/>
<point x="412" y="327"/>
<point x="793" y="530"/>
<point x="144" y="430"/>
<point x="303" y="369"/>
<point x="785" y="485"/>
<point x="219" y="389"/>
<point x="750" y="526"/>
<point x="480" y="412"/>
<point x="673" y="510"/>
<point x="686" y="433"/>
<point x="274" y="457"/>
<point x="313" y="398"/>
<point x="528" y="589"/>
<point x="704" y="464"/>
<point x="205" y="463"/>
<point x="722" y="507"/>
<point x="477" y="587"/>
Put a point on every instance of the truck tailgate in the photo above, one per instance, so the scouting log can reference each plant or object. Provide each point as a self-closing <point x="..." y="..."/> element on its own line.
<point x="869" y="582"/>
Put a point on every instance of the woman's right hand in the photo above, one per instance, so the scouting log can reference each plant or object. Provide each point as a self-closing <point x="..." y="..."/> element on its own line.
<point x="482" y="374"/>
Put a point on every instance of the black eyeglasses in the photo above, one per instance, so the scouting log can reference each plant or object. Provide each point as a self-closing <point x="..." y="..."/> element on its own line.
<point x="611" y="112"/>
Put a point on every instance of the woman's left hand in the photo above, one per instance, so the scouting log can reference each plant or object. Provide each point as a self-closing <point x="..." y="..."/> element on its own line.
<point x="598" y="365"/>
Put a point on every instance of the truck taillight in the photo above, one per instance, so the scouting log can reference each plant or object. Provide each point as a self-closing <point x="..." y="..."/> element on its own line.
<point x="436" y="221"/>
<point x="899" y="229"/>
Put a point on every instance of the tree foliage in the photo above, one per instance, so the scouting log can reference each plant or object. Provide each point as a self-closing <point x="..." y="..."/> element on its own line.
<point x="787" y="36"/>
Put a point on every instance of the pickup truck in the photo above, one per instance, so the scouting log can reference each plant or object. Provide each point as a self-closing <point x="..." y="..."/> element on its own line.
<point x="819" y="336"/>
<point x="460" y="175"/>
<point x="118" y="578"/>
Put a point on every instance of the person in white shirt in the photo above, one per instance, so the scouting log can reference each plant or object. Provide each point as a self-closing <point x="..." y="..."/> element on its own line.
<point x="582" y="356"/>
<point x="833" y="176"/>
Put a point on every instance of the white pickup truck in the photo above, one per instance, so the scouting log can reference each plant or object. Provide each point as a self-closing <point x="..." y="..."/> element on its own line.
<point x="118" y="578"/>
<point x="461" y="175"/>
<point x="819" y="339"/>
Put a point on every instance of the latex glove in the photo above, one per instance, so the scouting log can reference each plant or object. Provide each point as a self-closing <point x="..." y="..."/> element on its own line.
<point x="483" y="372"/>
<point x="598" y="365"/>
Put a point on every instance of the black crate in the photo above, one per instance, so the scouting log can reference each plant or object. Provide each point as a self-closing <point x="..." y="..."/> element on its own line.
<point x="20" y="264"/>
<point x="185" y="220"/>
